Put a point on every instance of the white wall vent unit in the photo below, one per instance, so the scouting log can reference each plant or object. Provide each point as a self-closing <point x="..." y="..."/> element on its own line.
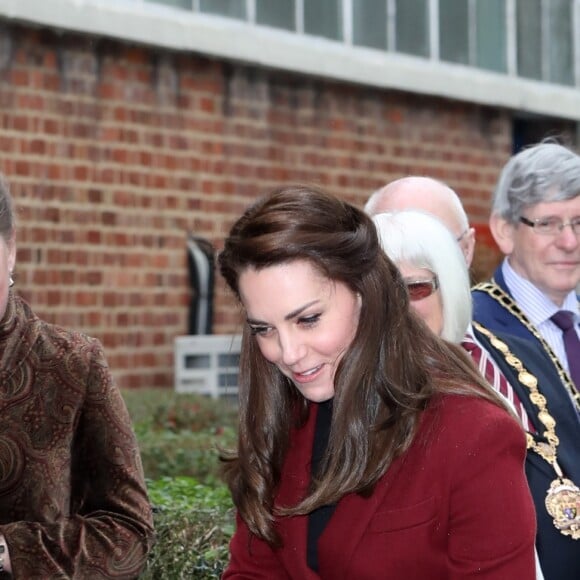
<point x="207" y="364"/>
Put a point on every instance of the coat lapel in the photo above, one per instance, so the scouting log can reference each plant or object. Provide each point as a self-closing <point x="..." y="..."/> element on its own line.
<point x="348" y="526"/>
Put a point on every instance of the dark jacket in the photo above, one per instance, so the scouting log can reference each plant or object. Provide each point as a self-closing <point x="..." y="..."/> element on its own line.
<point x="559" y="555"/>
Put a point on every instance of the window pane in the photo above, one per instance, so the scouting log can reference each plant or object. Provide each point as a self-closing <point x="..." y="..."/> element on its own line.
<point x="323" y="18"/>
<point x="178" y="3"/>
<point x="230" y="8"/>
<point x="561" y="45"/>
<point x="412" y="27"/>
<point x="277" y="13"/>
<point x="453" y="31"/>
<point x="491" y="35"/>
<point x="529" y="34"/>
<point x="369" y="23"/>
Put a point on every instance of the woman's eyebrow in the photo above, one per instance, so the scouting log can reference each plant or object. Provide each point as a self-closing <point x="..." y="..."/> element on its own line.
<point x="256" y="322"/>
<point x="288" y="316"/>
<point x="299" y="311"/>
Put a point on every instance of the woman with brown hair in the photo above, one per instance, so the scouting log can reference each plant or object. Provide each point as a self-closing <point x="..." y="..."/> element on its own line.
<point x="368" y="447"/>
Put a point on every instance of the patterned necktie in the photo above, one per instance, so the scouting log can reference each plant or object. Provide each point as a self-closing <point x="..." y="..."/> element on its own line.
<point x="564" y="319"/>
<point x="496" y="379"/>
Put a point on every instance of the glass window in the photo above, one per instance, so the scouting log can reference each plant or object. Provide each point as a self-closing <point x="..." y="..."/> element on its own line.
<point x="178" y="3"/>
<point x="454" y="31"/>
<point x="529" y="38"/>
<point x="561" y="44"/>
<point x="491" y="34"/>
<point x="277" y="13"/>
<point x="369" y="23"/>
<point x="412" y="25"/>
<point x="323" y="18"/>
<point x="230" y="8"/>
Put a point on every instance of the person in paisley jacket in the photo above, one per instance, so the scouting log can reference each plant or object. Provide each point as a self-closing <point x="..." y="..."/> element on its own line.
<point x="73" y="501"/>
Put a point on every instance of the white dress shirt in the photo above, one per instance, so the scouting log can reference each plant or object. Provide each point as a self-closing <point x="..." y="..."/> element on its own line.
<point x="539" y="308"/>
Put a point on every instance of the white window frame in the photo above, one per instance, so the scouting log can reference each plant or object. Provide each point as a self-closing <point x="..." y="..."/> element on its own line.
<point x="576" y="40"/>
<point x="512" y="37"/>
<point x="545" y="34"/>
<point x="231" y="39"/>
<point x="433" y="20"/>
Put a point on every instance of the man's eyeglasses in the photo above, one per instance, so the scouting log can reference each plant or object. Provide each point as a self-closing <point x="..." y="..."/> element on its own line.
<point x="420" y="289"/>
<point x="551" y="226"/>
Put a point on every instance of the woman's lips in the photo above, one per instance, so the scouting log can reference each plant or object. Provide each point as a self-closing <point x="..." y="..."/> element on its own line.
<point x="307" y="376"/>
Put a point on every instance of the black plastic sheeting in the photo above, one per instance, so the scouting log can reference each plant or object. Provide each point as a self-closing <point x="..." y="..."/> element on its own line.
<point x="201" y="267"/>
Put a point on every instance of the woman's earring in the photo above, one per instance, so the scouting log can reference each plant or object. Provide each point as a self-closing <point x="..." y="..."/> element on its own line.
<point x="11" y="280"/>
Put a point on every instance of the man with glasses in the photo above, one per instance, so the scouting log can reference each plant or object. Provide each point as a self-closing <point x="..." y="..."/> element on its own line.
<point x="535" y="221"/>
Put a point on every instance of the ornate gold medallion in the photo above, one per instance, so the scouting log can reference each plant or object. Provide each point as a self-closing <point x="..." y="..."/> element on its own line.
<point x="563" y="504"/>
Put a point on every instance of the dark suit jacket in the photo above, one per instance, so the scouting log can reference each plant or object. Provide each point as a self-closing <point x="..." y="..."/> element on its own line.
<point x="456" y="505"/>
<point x="559" y="555"/>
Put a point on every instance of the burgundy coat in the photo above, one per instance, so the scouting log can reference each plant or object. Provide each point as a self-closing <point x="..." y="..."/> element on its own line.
<point x="456" y="505"/>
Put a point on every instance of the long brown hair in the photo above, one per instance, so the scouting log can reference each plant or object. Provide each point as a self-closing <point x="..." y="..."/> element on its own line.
<point x="383" y="382"/>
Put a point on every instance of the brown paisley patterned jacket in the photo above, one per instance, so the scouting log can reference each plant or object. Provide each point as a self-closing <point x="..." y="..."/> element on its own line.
<point x="73" y="502"/>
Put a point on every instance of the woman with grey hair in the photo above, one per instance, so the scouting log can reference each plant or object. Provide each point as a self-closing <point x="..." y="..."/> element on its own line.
<point x="437" y="280"/>
<point x="433" y="268"/>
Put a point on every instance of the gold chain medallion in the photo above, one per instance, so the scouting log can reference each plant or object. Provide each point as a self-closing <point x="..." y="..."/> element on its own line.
<point x="563" y="497"/>
<point x="563" y="504"/>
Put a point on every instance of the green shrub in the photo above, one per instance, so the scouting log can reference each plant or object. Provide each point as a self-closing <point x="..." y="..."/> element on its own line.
<point x="181" y="434"/>
<point x="194" y="524"/>
<point x="196" y="454"/>
<point x="164" y="409"/>
<point x="179" y="439"/>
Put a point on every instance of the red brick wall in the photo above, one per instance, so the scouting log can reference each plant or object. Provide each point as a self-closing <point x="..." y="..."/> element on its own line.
<point x="115" y="152"/>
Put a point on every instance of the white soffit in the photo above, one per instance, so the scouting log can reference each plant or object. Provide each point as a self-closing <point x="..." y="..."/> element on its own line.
<point x="153" y="24"/>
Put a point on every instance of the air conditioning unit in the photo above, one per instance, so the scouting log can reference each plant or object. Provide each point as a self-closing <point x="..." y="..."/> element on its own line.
<point x="207" y="364"/>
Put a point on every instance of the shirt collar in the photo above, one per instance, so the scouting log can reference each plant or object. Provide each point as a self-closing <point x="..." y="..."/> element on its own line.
<point x="533" y="302"/>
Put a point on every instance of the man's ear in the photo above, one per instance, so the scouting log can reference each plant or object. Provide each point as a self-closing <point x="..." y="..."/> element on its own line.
<point x="468" y="246"/>
<point x="503" y="233"/>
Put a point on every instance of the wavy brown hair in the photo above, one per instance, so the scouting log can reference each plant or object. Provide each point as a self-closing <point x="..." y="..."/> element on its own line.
<point x="388" y="375"/>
